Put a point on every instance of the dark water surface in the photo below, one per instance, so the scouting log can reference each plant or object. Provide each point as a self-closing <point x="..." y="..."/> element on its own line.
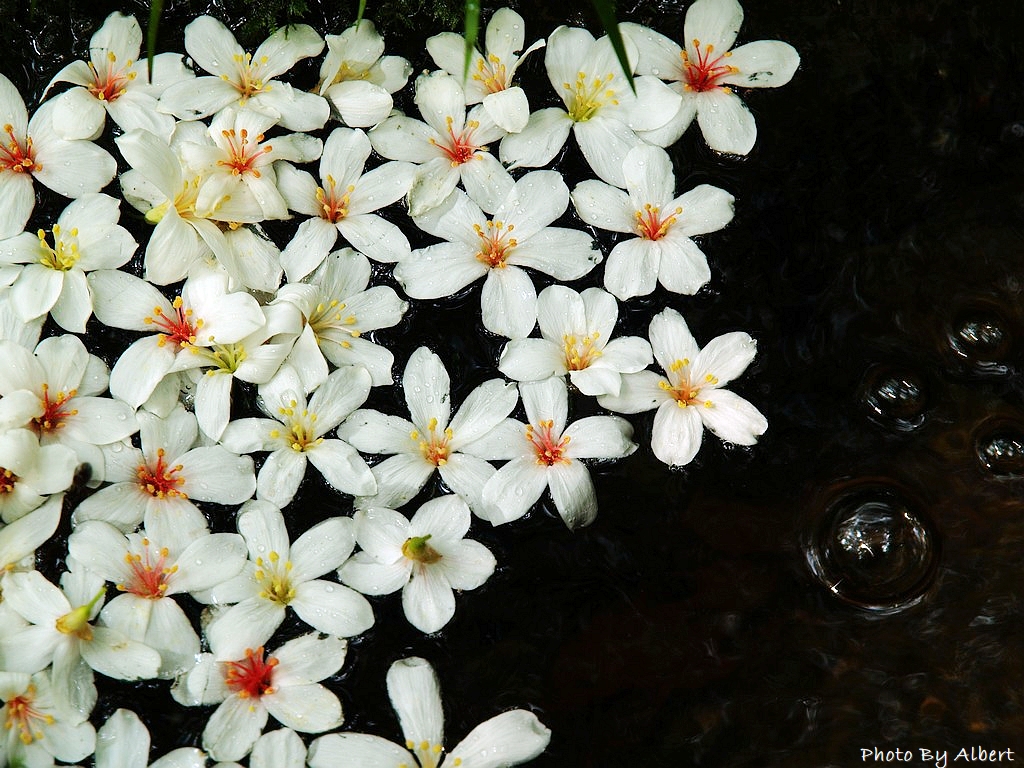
<point x="855" y="579"/>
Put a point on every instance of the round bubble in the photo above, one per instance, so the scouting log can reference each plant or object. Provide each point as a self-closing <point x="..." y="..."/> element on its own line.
<point x="894" y="398"/>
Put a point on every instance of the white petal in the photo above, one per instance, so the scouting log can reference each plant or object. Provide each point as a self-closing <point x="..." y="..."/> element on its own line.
<point x="513" y="489"/>
<point x="233" y="728"/>
<point x="416" y="696"/>
<point x="683" y="267"/>
<point x="537" y="144"/>
<point x="603" y="206"/>
<point x="732" y="418"/>
<point x="605" y="143"/>
<point x="763" y="64"/>
<point x="428" y="600"/>
<point x="356" y="749"/>
<point x="728" y="126"/>
<point x="305" y="708"/>
<point x="360" y="104"/>
<point x="715" y="22"/>
<point x="632" y="268"/>
<point x="507" y="739"/>
<point x="677" y="433"/>
<point x="508" y="108"/>
<point x="509" y="303"/>
<point x="249" y="624"/>
<point x="332" y="608"/>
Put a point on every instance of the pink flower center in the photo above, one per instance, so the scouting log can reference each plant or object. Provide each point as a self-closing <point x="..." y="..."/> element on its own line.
<point x="109" y="85"/>
<point x="7" y="481"/>
<point x="251" y="677"/>
<point x="150" y="575"/>
<point x="55" y="411"/>
<point x="459" y="148"/>
<point x="706" y="72"/>
<point x="243" y="152"/>
<point x="332" y="207"/>
<point x="161" y="481"/>
<point x="24" y="719"/>
<point x="17" y="157"/>
<point x="181" y="329"/>
<point x="651" y="225"/>
<point x="549" y="452"/>
<point x="495" y="243"/>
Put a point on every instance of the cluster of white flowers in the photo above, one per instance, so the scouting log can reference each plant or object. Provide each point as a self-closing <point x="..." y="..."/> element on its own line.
<point x="223" y="309"/>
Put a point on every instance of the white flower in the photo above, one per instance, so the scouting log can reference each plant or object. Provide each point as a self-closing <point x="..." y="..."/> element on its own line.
<point x="295" y="434"/>
<point x="508" y="739"/>
<point x="205" y="315"/>
<point x="62" y="633"/>
<point x="238" y="182"/>
<point x="689" y="396"/>
<point x="600" y="108"/>
<point x="280" y="575"/>
<point x="64" y="381"/>
<point x="516" y="236"/>
<point x="159" y="480"/>
<point x="123" y="742"/>
<point x="19" y="540"/>
<point x="491" y="72"/>
<point x="339" y="309"/>
<point x="149" y="573"/>
<point x="85" y="237"/>
<point x="29" y="472"/>
<point x="344" y="203"/>
<point x="456" y="447"/>
<point x="110" y="83"/>
<point x="426" y="557"/>
<point x="576" y="340"/>
<point x="248" y="80"/>
<point x="358" y="79"/>
<point x="663" y="251"/>
<point x="31" y="149"/>
<point x="547" y="455"/>
<point x="706" y="72"/>
<point x="39" y="725"/>
<point x="251" y="687"/>
<point x="449" y="146"/>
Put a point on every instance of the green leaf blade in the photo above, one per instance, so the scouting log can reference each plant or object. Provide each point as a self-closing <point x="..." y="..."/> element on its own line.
<point x="606" y="14"/>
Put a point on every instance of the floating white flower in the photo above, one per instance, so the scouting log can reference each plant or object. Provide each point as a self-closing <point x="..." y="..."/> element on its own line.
<point x="20" y="539"/>
<point x="450" y="146"/>
<point x="358" y="79"/>
<point x="344" y="203"/>
<point x="123" y="742"/>
<point x="115" y="82"/>
<point x="248" y="79"/>
<point x="282" y="574"/>
<point x="39" y="726"/>
<point x="547" y="456"/>
<point x="491" y="73"/>
<point x="30" y="149"/>
<point x="160" y="480"/>
<point x="600" y="108"/>
<point x="689" y="396"/>
<point x="339" y="309"/>
<point x="662" y="251"/>
<point x="516" y="236"/>
<point x="65" y="381"/>
<point x="576" y="340"/>
<point x="508" y="739"/>
<point x="86" y="237"/>
<point x="62" y="633"/>
<point x="456" y="447"/>
<point x="707" y="70"/>
<point x="295" y="435"/>
<point x="426" y="557"/>
<point x="29" y="472"/>
<point x="149" y="573"/>
<point x="253" y="686"/>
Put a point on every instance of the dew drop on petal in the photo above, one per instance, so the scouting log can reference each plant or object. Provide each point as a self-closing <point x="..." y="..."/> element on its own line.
<point x="873" y="550"/>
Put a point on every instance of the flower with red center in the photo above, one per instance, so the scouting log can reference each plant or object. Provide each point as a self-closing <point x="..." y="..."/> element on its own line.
<point x="161" y="480"/>
<point x="706" y="71"/>
<point x="180" y="329"/>
<point x="426" y="557"/>
<point x="55" y="411"/>
<point x="689" y="397"/>
<point x="663" y="251"/>
<point x="343" y="202"/>
<point x="250" y="689"/>
<point x="252" y="677"/>
<point x="450" y="146"/>
<point x="38" y="726"/>
<point x="548" y="456"/>
<point x="497" y="249"/>
<point x="112" y="82"/>
<point x="17" y="155"/>
<point x="433" y="439"/>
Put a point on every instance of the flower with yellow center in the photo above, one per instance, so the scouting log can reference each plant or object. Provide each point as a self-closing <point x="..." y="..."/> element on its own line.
<point x="282" y="574"/>
<point x="427" y="557"/>
<point x="689" y="396"/>
<point x="432" y="440"/>
<point x="576" y="340"/>
<point x="243" y="79"/>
